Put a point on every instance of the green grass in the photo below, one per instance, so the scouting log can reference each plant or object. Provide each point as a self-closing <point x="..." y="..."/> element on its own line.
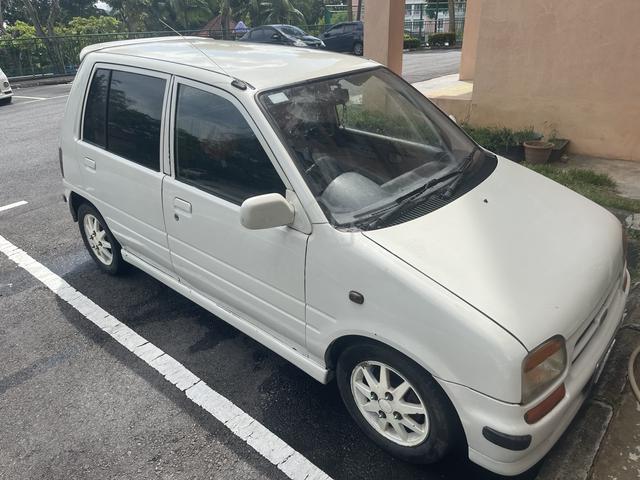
<point x="599" y="187"/>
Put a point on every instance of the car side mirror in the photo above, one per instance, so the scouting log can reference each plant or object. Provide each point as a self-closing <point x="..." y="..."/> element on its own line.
<point x="327" y="34"/>
<point x="266" y="211"/>
<point x="276" y="36"/>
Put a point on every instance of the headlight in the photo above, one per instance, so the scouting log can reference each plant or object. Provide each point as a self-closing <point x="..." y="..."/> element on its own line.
<point x="543" y="366"/>
<point x="299" y="43"/>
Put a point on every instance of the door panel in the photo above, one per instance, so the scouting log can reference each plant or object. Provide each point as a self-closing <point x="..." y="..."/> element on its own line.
<point x="127" y="194"/>
<point x="257" y="274"/>
<point x="219" y="160"/>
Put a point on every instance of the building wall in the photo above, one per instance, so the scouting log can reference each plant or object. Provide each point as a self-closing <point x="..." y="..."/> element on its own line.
<point x="568" y="65"/>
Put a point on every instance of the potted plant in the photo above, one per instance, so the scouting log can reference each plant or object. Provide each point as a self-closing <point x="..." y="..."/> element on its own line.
<point x="537" y="151"/>
<point x="559" y="146"/>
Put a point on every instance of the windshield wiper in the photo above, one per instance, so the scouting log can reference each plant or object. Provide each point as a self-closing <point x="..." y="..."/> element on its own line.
<point x="416" y="196"/>
<point x="466" y="163"/>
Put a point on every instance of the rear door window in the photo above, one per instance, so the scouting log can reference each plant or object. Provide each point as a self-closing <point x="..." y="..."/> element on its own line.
<point x="123" y="115"/>
<point x="217" y="151"/>
<point x="134" y="113"/>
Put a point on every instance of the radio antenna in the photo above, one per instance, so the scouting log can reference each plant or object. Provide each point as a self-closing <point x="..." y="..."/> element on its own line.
<point x="236" y="82"/>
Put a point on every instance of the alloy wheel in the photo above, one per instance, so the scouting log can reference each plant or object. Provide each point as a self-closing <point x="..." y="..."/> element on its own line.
<point x="389" y="403"/>
<point x="97" y="239"/>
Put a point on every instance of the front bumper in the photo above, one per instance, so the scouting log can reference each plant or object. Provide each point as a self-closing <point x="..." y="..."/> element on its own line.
<point x="477" y="410"/>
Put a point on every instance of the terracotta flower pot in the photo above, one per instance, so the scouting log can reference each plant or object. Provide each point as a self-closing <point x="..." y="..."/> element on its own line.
<point x="537" y="151"/>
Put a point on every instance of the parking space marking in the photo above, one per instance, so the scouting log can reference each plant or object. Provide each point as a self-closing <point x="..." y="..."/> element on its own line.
<point x="262" y="440"/>
<point x="30" y="98"/>
<point x="13" y="205"/>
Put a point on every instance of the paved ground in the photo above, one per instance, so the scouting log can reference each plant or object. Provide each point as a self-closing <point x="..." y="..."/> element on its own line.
<point x="75" y="404"/>
<point x="420" y="66"/>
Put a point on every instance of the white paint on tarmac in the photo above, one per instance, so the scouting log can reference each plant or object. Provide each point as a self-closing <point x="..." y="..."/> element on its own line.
<point x="256" y="435"/>
<point x="30" y="98"/>
<point x="13" y="205"/>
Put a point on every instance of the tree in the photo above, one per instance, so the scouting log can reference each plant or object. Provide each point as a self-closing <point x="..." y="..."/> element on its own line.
<point x="282" y="11"/>
<point x="349" y="10"/>
<point x="452" y="16"/>
<point x="51" y="10"/>
<point x="251" y="10"/>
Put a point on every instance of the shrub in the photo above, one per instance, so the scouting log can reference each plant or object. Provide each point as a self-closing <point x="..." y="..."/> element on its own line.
<point x="411" y="42"/>
<point x="500" y="139"/>
<point x="442" y="39"/>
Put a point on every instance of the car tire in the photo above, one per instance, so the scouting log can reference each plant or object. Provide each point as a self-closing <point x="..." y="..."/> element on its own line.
<point x="99" y="241"/>
<point x="429" y="437"/>
<point x="358" y="49"/>
<point x="6" y="101"/>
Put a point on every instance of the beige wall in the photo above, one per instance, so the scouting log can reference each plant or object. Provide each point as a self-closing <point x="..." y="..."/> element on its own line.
<point x="573" y="65"/>
<point x="470" y="39"/>
<point x="384" y="32"/>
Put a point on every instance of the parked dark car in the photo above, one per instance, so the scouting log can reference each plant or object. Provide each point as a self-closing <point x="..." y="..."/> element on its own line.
<point x="345" y="37"/>
<point x="282" y="35"/>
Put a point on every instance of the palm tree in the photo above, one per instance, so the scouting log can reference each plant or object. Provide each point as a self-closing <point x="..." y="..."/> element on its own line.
<point x="253" y="10"/>
<point x="282" y="11"/>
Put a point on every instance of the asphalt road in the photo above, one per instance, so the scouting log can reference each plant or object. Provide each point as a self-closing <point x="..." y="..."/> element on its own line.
<point x="425" y="65"/>
<point x="76" y="404"/>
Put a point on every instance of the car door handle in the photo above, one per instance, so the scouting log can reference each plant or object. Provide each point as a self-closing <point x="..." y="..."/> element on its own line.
<point x="181" y="205"/>
<point x="91" y="164"/>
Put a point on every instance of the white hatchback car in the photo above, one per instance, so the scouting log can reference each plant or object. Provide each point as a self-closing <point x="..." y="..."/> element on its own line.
<point x="6" y="94"/>
<point x="320" y="204"/>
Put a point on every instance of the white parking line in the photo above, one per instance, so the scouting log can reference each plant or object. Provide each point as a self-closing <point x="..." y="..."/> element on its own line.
<point x="30" y="98"/>
<point x="13" y="205"/>
<point x="256" y="435"/>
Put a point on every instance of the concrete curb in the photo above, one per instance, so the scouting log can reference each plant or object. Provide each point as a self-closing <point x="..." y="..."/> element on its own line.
<point x="35" y="82"/>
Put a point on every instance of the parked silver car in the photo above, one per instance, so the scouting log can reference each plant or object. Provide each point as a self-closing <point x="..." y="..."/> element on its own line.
<point x="5" y="89"/>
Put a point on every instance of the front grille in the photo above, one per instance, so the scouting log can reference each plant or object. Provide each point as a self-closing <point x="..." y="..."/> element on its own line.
<point x="588" y="331"/>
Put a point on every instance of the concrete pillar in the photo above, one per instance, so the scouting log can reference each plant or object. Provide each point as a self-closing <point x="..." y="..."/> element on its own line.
<point x="470" y="39"/>
<point x="384" y="32"/>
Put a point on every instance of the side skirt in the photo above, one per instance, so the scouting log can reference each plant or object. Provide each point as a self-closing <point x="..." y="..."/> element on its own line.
<point x="310" y="367"/>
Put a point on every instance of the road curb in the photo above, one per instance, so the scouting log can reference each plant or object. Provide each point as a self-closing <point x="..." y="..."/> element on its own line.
<point x="36" y="82"/>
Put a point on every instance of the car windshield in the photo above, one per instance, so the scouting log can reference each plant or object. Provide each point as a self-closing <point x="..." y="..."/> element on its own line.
<point x="365" y="140"/>
<point x="293" y="31"/>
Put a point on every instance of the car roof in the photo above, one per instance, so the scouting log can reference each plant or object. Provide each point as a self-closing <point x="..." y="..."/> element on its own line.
<point x="260" y="65"/>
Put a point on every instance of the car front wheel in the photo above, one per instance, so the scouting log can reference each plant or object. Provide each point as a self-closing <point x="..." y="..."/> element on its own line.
<point x="357" y="49"/>
<point x="396" y="403"/>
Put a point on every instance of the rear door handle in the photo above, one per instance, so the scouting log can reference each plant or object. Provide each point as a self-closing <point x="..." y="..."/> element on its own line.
<point x="90" y="164"/>
<point x="181" y="205"/>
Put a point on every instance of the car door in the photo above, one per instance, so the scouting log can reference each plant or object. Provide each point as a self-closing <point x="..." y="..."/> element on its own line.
<point x="332" y="38"/>
<point x="347" y="37"/>
<point x="218" y="160"/>
<point x="120" y="150"/>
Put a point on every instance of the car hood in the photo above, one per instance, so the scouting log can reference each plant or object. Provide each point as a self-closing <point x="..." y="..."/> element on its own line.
<point x="532" y="255"/>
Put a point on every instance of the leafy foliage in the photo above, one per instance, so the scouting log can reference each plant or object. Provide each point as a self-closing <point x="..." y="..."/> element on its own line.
<point x="500" y="139"/>
<point x="442" y="39"/>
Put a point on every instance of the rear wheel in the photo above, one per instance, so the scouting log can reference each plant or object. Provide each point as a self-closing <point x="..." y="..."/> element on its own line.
<point x="357" y="49"/>
<point x="396" y="403"/>
<point x="103" y="247"/>
<point x="6" y="101"/>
